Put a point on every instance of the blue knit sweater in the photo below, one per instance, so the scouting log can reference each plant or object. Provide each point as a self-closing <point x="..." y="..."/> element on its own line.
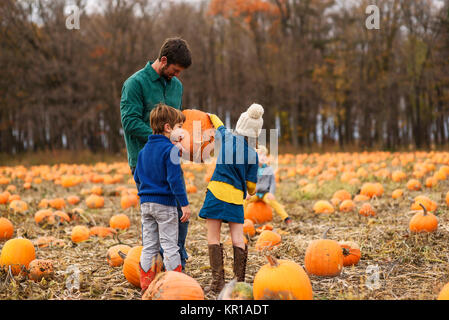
<point x="159" y="173"/>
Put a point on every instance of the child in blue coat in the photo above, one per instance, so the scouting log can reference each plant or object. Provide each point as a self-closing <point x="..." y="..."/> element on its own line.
<point x="235" y="175"/>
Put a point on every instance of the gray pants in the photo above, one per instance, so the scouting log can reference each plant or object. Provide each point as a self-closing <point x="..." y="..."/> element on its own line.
<point x="159" y="229"/>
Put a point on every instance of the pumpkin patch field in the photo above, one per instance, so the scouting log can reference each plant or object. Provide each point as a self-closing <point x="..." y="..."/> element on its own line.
<point x="365" y="226"/>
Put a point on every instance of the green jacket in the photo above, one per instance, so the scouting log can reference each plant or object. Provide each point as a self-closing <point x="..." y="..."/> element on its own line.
<point x="140" y="94"/>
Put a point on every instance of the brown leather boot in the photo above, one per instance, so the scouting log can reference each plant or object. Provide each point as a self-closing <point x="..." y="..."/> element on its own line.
<point x="216" y="264"/>
<point x="240" y="257"/>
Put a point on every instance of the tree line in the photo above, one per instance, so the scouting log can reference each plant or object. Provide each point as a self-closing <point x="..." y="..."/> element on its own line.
<point x="319" y="72"/>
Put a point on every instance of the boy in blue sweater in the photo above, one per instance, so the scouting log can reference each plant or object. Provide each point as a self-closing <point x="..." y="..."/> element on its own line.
<point x="159" y="174"/>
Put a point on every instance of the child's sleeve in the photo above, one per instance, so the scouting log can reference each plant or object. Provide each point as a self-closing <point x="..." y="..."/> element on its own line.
<point x="251" y="178"/>
<point x="251" y="187"/>
<point x="175" y="178"/>
<point x="217" y="123"/>
<point x="136" y="176"/>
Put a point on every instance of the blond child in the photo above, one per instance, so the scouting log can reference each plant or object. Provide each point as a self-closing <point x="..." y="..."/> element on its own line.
<point x="266" y="186"/>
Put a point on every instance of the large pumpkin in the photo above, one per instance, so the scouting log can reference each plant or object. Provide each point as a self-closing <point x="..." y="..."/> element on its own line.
<point x="131" y="269"/>
<point x="199" y="134"/>
<point x="282" y="280"/>
<point x="444" y="293"/>
<point x="259" y="212"/>
<point x="324" y="257"/>
<point x="173" y="285"/>
<point x="17" y="253"/>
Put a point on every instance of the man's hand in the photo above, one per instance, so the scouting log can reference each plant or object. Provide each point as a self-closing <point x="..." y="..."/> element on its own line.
<point x="185" y="213"/>
<point x="248" y="196"/>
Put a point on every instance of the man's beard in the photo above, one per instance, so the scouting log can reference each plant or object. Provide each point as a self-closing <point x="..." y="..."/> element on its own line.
<point x="164" y="74"/>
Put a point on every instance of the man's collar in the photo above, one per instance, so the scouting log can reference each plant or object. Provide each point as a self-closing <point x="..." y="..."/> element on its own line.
<point x="151" y="72"/>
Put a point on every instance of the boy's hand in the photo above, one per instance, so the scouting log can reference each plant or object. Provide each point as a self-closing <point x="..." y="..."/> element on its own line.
<point x="185" y="213"/>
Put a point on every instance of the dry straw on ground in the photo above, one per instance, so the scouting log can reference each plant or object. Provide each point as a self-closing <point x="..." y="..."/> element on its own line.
<point x="411" y="266"/>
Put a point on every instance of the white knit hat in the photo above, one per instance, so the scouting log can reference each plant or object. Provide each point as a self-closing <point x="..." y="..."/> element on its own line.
<point x="250" y="122"/>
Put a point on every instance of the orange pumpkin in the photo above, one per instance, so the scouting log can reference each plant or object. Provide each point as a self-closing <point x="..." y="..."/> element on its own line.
<point x="413" y="185"/>
<point x="101" y="231"/>
<point x="324" y="257"/>
<point x="172" y="285"/>
<point x="17" y="253"/>
<point x="44" y="216"/>
<point x="361" y="198"/>
<point x="351" y="253"/>
<point x="43" y="204"/>
<point x="323" y="206"/>
<point x="427" y="202"/>
<point x="248" y="228"/>
<point x="120" y="221"/>
<point x="267" y="240"/>
<point x="282" y="280"/>
<point x="423" y="221"/>
<point x="398" y="193"/>
<point x="6" y="229"/>
<point x="128" y="201"/>
<point x="367" y="210"/>
<point x="267" y="226"/>
<point x="4" y="196"/>
<point x="39" y="269"/>
<point x="131" y="263"/>
<point x="61" y="216"/>
<point x="199" y="133"/>
<point x="113" y="258"/>
<point x="73" y="200"/>
<point x="80" y="233"/>
<point x="190" y="188"/>
<point x="94" y="201"/>
<point x="259" y="212"/>
<point x="18" y="206"/>
<point x="347" y="206"/>
<point x="444" y="293"/>
<point x="372" y="189"/>
<point x="58" y="203"/>
<point x="342" y="195"/>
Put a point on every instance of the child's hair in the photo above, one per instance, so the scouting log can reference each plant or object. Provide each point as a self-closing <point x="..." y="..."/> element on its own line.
<point x="163" y="114"/>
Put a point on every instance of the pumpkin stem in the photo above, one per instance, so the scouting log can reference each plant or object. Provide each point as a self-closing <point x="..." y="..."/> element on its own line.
<point x="346" y="252"/>
<point x="325" y="233"/>
<point x="424" y="208"/>
<point x="122" y="255"/>
<point x="272" y="260"/>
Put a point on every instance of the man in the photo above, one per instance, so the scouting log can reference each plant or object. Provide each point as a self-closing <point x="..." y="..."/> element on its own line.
<point x="154" y="84"/>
